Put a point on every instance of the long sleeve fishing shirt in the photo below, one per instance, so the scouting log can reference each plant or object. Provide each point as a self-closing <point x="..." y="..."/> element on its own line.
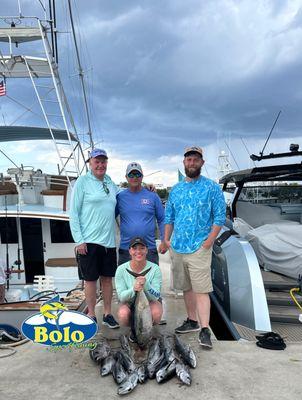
<point x="193" y="208"/>
<point x="124" y="282"/>
<point x="92" y="211"/>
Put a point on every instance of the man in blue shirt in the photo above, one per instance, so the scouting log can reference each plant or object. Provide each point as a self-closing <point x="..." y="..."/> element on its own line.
<point x="195" y="213"/>
<point x="139" y="209"/>
<point x="92" y="224"/>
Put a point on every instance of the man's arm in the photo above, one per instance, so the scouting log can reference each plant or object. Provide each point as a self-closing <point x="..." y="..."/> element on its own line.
<point x="76" y="203"/>
<point x="160" y="217"/>
<point x="218" y="209"/>
<point x="168" y="232"/>
<point x="212" y="236"/>
<point x="169" y="221"/>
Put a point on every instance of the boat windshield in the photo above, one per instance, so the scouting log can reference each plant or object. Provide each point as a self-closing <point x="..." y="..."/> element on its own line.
<point x="265" y="193"/>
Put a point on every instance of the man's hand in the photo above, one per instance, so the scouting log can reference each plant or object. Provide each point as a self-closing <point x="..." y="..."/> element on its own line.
<point x="207" y="244"/>
<point x="167" y="243"/>
<point x="162" y="248"/>
<point x="139" y="283"/>
<point x="150" y="187"/>
<point x="81" y="248"/>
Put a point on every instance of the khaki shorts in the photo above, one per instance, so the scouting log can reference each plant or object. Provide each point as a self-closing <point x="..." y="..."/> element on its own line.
<point x="192" y="271"/>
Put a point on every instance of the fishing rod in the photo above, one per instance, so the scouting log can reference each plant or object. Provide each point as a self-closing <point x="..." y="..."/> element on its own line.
<point x="247" y="150"/>
<point x="6" y="237"/>
<point x="231" y="154"/>
<point x="18" y="261"/>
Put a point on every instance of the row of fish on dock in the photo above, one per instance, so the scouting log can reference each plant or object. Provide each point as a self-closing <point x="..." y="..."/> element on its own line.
<point x="168" y="356"/>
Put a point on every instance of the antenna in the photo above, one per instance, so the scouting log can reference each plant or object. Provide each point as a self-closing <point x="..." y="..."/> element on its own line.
<point x="274" y="124"/>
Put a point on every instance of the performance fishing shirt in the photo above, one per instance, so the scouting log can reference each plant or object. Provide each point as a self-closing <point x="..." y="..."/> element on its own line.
<point x="92" y="211"/>
<point x="193" y="208"/>
<point x="124" y="282"/>
<point x="139" y="212"/>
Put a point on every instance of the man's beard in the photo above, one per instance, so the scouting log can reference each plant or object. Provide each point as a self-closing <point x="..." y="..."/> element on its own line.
<point x="192" y="174"/>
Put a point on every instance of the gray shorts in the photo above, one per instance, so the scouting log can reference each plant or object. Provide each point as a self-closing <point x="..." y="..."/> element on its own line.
<point x="192" y="271"/>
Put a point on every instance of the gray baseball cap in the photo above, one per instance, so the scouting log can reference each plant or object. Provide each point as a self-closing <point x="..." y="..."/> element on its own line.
<point x="134" y="166"/>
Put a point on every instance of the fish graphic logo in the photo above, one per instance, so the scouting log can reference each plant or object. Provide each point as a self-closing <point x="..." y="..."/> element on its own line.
<point x="52" y="309"/>
<point x="55" y="325"/>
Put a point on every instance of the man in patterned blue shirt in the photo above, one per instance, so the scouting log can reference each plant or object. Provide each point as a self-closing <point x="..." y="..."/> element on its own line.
<point x="195" y="213"/>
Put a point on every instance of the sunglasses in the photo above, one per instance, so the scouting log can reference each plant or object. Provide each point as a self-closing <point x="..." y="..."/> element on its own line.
<point x="105" y="187"/>
<point x="135" y="175"/>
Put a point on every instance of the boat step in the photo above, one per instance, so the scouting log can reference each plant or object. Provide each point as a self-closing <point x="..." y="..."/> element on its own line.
<point x="289" y="315"/>
<point x="279" y="298"/>
<point x="279" y="285"/>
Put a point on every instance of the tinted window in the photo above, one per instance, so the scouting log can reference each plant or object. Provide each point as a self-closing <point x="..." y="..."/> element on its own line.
<point x="60" y="232"/>
<point x="8" y="230"/>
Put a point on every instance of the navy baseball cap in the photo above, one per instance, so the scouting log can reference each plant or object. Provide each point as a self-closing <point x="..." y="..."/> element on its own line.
<point x="97" y="153"/>
<point x="137" y="240"/>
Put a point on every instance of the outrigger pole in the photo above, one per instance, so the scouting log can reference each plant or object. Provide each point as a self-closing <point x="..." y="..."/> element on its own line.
<point x="81" y="75"/>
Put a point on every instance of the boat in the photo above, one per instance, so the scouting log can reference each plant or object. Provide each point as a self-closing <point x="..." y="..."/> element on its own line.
<point x="257" y="259"/>
<point x="35" y="239"/>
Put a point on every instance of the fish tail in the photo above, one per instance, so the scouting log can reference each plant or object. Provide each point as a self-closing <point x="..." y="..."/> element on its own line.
<point x="136" y="274"/>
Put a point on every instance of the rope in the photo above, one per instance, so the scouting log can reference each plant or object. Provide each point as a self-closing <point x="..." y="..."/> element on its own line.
<point x="11" y="351"/>
<point x="294" y="297"/>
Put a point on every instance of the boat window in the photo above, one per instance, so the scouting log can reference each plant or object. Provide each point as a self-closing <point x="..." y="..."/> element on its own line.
<point x="8" y="230"/>
<point x="60" y="232"/>
<point x="271" y="194"/>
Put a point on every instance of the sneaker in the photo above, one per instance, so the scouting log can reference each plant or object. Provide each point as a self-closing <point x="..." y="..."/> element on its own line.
<point x="188" y="326"/>
<point x="205" y="338"/>
<point x="131" y="338"/>
<point x="109" y="321"/>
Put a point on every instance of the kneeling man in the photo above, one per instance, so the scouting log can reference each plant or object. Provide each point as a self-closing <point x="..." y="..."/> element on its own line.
<point x="126" y="284"/>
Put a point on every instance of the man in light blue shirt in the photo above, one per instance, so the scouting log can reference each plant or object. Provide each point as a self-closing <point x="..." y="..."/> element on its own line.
<point x="195" y="213"/>
<point x="139" y="209"/>
<point x="92" y="224"/>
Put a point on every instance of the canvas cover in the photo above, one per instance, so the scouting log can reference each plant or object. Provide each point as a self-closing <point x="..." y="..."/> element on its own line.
<point x="278" y="246"/>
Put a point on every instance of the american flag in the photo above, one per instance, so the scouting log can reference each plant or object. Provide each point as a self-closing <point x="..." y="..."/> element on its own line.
<point x="2" y="88"/>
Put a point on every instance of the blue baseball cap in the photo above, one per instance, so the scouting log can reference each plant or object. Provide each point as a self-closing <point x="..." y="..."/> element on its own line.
<point x="97" y="153"/>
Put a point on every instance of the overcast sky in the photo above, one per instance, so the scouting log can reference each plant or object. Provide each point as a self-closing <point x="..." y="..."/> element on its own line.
<point x="165" y="74"/>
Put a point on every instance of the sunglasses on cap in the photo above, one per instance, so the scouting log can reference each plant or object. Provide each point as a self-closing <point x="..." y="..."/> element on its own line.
<point x="135" y="175"/>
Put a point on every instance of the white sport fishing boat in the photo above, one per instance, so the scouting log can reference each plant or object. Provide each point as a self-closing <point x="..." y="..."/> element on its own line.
<point x="35" y="239"/>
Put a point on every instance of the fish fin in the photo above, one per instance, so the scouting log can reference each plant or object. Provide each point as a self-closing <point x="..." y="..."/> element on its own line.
<point x="136" y="275"/>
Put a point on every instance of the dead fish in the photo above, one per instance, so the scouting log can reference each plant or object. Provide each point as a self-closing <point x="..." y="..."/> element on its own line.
<point x="141" y="318"/>
<point x="106" y="365"/>
<point x="155" y="365"/>
<point x="168" y="345"/>
<point x="185" y="351"/>
<point x="101" y="351"/>
<point x="154" y="350"/>
<point x="142" y="373"/>
<point x="128" y="384"/>
<point x="125" y="343"/>
<point x="183" y="373"/>
<point x="118" y="372"/>
<point x="166" y="372"/>
<point x="126" y="361"/>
